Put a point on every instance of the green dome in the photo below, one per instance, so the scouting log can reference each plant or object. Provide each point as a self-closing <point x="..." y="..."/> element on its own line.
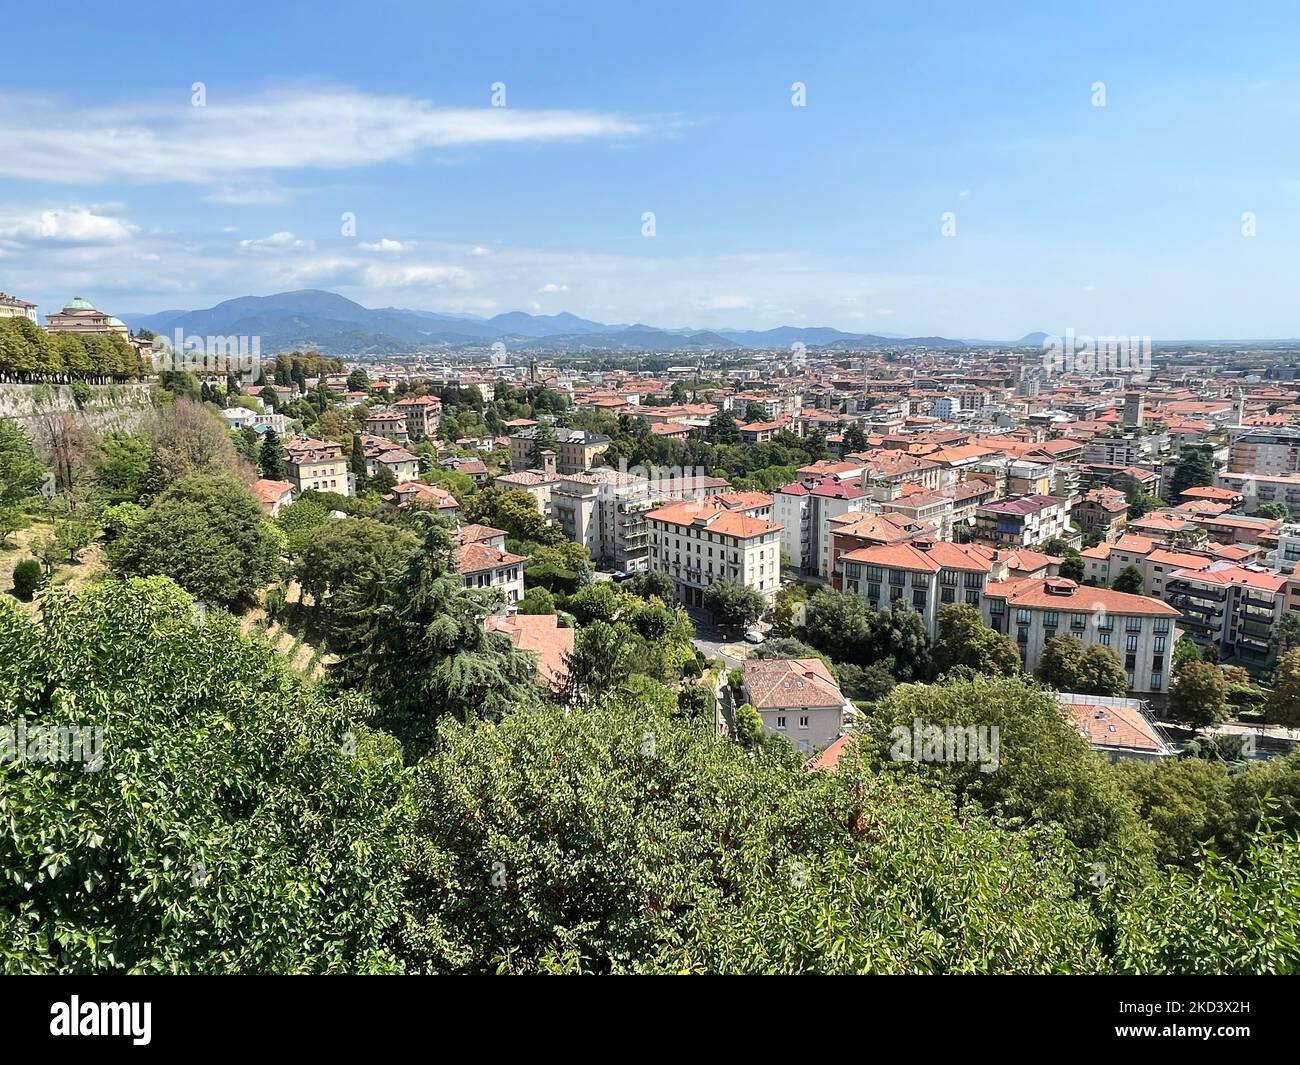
<point x="117" y="321"/>
<point x="78" y="304"/>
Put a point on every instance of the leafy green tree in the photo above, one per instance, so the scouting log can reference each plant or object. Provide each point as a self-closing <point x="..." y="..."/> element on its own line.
<point x="125" y="470"/>
<point x="1066" y="665"/>
<point x="422" y="651"/>
<point x="1284" y="701"/>
<point x="359" y="380"/>
<point x="1072" y="564"/>
<point x="1194" y="469"/>
<point x="749" y="725"/>
<point x="270" y="458"/>
<point x="73" y="536"/>
<point x="1286" y="634"/>
<point x="357" y="463"/>
<point x="20" y="476"/>
<point x="1130" y="580"/>
<point x="28" y="575"/>
<point x="1276" y="511"/>
<point x="854" y="438"/>
<point x="206" y="533"/>
<point x="341" y="566"/>
<point x="1185" y="651"/>
<point x="181" y="844"/>
<point x="601" y="658"/>
<point x="1042" y="770"/>
<point x="963" y="640"/>
<point x="734" y="605"/>
<point x="723" y="428"/>
<point x="1197" y="696"/>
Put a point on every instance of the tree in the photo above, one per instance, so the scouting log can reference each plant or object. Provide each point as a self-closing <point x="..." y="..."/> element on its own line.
<point x="1194" y="469"/>
<point x="125" y="469"/>
<point x="217" y="780"/>
<point x="1066" y="665"/>
<point x="854" y="438"/>
<point x="1041" y="769"/>
<point x="28" y="575"/>
<point x="357" y="463"/>
<point x="359" y="380"/>
<point x="1197" y="696"/>
<point x="749" y="725"/>
<point x="208" y="534"/>
<point x="186" y="439"/>
<point x="723" y="428"/>
<point x="270" y="459"/>
<point x="1284" y="701"/>
<point x="1286" y="635"/>
<point x="1185" y="651"/>
<point x="963" y="640"/>
<point x="1101" y="672"/>
<point x="342" y="562"/>
<point x="1072" y="564"/>
<point x="422" y="652"/>
<point x="384" y="480"/>
<point x="1130" y="580"/>
<point x="734" y="605"/>
<point x="1276" y="511"/>
<point x="73" y="536"/>
<point x="601" y="658"/>
<point x="20" y="476"/>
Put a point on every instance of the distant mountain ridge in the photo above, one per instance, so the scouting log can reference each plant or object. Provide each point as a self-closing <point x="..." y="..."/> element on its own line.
<point x="335" y="325"/>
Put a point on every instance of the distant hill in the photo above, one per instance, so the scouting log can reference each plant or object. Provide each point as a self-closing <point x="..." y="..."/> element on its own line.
<point x="335" y="325"/>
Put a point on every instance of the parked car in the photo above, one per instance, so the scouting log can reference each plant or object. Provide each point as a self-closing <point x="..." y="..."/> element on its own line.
<point x="754" y="636"/>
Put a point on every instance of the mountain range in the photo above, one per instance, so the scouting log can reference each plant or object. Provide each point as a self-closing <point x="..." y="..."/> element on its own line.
<point x="312" y="319"/>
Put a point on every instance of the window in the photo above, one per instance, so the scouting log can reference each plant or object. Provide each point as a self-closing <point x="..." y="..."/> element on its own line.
<point x="780" y="721"/>
<point x="1104" y="638"/>
<point x="1162" y="625"/>
<point x="1130" y="643"/>
<point x="973" y="597"/>
<point x="948" y="576"/>
<point x="873" y="573"/>
<point x="873" y="592"/>
<point x="1160" y="645"/>
<point x="918" y="598"/>
<point x="803" y="721"/>
<point x="1132" y="624"/>
<point x="997" y="606"/>
<point x="947" y="595"/>
<point x="1022" y="616"/>
<point x="1050" y="619"/>
<point x="1157" y="681"/>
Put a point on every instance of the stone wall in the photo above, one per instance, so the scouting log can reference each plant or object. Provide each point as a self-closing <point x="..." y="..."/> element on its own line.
<point x="109" y="407"/>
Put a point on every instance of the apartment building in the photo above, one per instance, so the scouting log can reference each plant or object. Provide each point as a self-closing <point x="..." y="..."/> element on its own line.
<point x="1268" y="452"/>
<point x="1230" y="607"/>
<point x="390" y="424"/>
<point x="576" y="450"/>
<point x="605" y="511"/>
<point x="926" y="574"/>
<point x="382" y="454"/>
<point x="805" y="511"/>
<point x="1022" y="521"/>
<point x="849" y="532"/>
<point x="483" y="562"/>
<point x="1140" y="630"/>
<point x="538" y="485"/>
<point x="1118" y="729"/>
<point x="422" y="414"/>
<point x="1256" y="489"/>
<point x="13" y="307"/>
<point x="317" y="465"/>
<point x="699" y="542"/>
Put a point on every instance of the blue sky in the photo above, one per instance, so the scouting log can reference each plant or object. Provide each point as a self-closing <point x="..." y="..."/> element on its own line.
<point x="1126" y="218"/>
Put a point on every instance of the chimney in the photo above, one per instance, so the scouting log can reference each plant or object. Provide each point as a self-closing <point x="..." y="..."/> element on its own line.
<point x="548" y="463"/>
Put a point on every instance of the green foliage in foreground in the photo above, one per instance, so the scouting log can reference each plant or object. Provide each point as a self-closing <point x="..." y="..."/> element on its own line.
<point x="244" y="821"/>
<point x="229" y="828"/>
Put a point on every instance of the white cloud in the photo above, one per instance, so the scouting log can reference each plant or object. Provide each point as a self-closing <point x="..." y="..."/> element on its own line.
<point x="72" y="225"/>
<point x="282" y="241"/>
<point x="551" y="287"/>
<point x="234" y="145"/>
<point x="386" y="245"/>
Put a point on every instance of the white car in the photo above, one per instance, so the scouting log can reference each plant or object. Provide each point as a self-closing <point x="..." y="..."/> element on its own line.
<point x="754" y="636"/>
